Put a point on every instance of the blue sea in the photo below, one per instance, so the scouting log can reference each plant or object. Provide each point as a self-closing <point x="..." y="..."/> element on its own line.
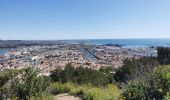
<point x="129" y="43"/>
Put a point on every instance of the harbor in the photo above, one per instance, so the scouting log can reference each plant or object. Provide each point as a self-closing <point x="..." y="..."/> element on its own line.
<point x="49" y="57"/>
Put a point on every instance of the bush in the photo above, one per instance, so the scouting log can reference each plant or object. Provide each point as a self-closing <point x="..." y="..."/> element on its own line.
<point x="134" y="68"/>
<point x="162" y="76"/>
<point x="5" y="76"/>
<point x="141" y="91"/>
<point x="154" y="86"/>
<point x="56" y="75"/>
<point x="107" y="70"/>
<point x="57" y="88"/>
<point x="68" y="73"/>
<point x="90" y="76"/>
<point x="164" y="55"/>
<point x="89" y="92"/>
<point x="167" y="97"/>
<point x="81" y="75"/>
<point x="135" y="91"/>
<point x="25" y="84"/>
<point x="44" y="97"/>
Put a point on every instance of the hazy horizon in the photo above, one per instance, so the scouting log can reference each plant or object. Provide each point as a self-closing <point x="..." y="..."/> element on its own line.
<point x="89" y="38"/>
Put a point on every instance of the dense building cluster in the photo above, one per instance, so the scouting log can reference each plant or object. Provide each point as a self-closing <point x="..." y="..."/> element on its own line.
<point x="50" y="57"/>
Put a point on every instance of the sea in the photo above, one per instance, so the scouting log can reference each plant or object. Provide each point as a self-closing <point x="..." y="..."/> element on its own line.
<point x="127" y="43"/>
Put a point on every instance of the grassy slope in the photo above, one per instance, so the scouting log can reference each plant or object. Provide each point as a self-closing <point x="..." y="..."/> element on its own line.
<point x="88" y="92"/>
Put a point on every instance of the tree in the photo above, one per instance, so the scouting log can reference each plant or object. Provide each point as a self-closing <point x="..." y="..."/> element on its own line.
<point x="25" y="84"/>
<point x="134" y="68"/>
<point x="81" y="75"/>
<point x="68" y="73"/>
<point x="153" y="86"/>
<point x="164" y="55"/>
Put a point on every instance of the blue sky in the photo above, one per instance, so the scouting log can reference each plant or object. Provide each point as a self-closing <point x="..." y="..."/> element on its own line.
<point x="84" y="19"/>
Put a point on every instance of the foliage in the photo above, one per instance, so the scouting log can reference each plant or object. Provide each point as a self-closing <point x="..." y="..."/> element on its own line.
<point x="25" y="84"/>
<point x="68" y="73"/>
<point x="56" y="75"/>
<point x="167" y="97"/>
<point x="80" y="75"/>
<point x="134" y="67"/>
<point x="135" y="91"/>
<point x="107" y="70"/>
<point x="7" y="75"/>
<point x="44" y="97"/>
<point x="164" y="55"/>
<point x="155" y="86"/>
<point x="162" y="74"/>
<point x="144" y="82"/>
<point x="89" y="76"/>
<point x="89" y="92"/>
<point x="57" y="88"/>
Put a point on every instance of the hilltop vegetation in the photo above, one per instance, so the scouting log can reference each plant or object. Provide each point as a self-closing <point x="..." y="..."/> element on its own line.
<point x="81" y="75"/>
<point x="133" y="68"/>
<point x="23" y="83"/>
<point x="147" y="78"/>
<point x="155" y="85"/>
<point x="87" y="91"/>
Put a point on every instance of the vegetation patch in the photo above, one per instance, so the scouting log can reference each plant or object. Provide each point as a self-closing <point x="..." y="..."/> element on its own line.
<point x="82" y="75"/>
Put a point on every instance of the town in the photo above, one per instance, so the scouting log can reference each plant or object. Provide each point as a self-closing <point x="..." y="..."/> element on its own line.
<point x="49" y="57"/>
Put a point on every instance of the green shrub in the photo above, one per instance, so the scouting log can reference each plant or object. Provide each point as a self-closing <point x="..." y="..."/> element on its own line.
<point x="25" y="84"/>
<point x="57" y="88"/>
<point x="56" y="75"/>
<point x="133" y="68"/>
<point x="90" y="76"/>
<point x="107" y="70"/>
<point x="167" y="97"/>
<point x="43" y="97"/>
<point x="164" y="55"/>
<point x="136" y="91"/>
<point x="5" y="76"/>
<point x="81" y="75"/>
<point x="155" y="86"/>
<point x="142" y="91"/>
<point x="89" y="92"/>
<point x="162" y="74"/>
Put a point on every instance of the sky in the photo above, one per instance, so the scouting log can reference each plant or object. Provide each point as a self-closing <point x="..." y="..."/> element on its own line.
<point x="84" y="19"/>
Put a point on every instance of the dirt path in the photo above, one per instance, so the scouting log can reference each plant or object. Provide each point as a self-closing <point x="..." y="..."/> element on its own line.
<point x="66" y="97"/>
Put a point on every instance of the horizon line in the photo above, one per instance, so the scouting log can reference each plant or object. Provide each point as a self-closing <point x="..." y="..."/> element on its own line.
<point x="76" y="39"/>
